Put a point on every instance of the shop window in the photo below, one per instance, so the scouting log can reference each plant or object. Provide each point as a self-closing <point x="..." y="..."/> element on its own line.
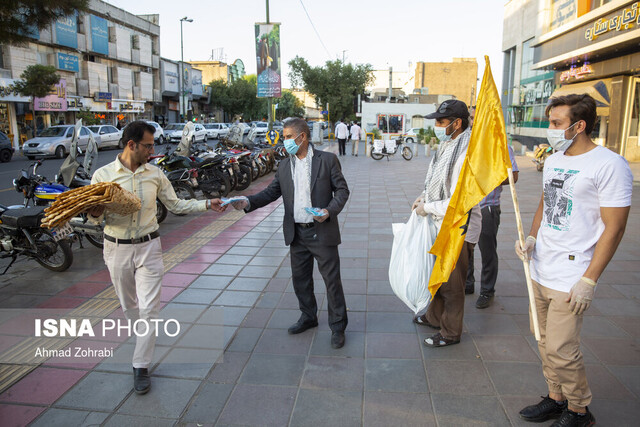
<point x="635" y="113"/>
<point x="390" y="123"/>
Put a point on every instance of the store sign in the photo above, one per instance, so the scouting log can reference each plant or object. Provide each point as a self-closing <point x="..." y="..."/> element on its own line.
<point x="563" y="11"/>
<point x="128" y="106"/>
<point x="103" y="96"/>
<point x="173" y="105"/>
<point x="99" y="35"/>
<point x="75" y="104"/>
<point x="55" y="101"/>
<point x="576" y="73"/>
<point x="67" y="31"/>
<point x="68" y="62"/>
<point x="622" y="20"/>
<point x="9" y="93"/>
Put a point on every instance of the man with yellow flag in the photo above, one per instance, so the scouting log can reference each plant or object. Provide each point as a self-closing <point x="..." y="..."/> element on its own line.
<point x="467" y="166"/>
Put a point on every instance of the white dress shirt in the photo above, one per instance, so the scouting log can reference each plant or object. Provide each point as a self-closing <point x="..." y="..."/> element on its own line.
<point x="301" y="172"/>
<point x="342" y="131"/>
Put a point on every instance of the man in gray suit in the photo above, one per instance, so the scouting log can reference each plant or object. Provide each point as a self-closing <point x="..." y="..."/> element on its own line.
<point x="309" y="178"/>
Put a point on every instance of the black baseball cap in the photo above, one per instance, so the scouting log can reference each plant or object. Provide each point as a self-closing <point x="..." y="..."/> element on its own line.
<point x="450" y="108"/>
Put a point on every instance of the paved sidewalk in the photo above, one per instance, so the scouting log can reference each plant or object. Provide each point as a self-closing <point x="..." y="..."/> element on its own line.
<point x="238" y="265"/>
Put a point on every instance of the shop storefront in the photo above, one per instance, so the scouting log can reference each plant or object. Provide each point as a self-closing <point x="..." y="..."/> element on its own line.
<point x="598" y="55"/>
<point x="15" y="113"/>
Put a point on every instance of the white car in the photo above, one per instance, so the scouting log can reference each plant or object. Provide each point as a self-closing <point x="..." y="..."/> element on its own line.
<point x="173" y="132"/>
<point x="158" y="135"/>
<point x="56" y="141"/>
<point x="109" y="136"/>
<point x="216" y="130"/>
<point x="411" y="135"/>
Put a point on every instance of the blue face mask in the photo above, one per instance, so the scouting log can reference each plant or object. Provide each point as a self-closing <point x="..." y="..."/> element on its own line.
<point x="441" y="132"/>
<point x="291" y="146"/>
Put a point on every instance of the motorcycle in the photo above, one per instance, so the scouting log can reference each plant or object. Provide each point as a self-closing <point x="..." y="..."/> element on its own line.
<point x="540" y="155"/>
<point x="382" y="149"/>
<point x="21" y="235"/>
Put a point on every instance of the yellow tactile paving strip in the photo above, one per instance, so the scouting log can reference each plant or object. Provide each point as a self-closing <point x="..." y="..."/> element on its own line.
<point x="102" y="305"/>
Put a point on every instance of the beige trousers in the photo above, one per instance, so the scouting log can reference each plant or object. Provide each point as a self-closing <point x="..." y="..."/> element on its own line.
<point x="354" y="146"/>
<point x="559" y="346"/>
<point x="136" y="273"/>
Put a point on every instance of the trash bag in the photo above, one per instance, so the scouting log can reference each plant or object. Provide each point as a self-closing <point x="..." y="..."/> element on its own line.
<point x="411" y="263"/>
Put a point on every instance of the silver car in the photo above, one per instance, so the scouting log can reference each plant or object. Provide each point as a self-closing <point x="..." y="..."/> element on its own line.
<point x="109" y="136"/>
<point x="216" y="130"/>
<point x="56" y="141"/>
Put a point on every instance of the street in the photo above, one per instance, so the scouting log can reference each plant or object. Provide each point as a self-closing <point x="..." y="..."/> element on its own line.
<point x="236" y="265"/>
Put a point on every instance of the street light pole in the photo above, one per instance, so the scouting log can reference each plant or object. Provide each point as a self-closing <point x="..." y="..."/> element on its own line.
<point x="270" y="99"/>
<point x="183" y="106"/>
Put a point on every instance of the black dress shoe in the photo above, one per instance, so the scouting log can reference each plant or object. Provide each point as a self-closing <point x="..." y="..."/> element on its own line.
<point x="301" y="326"/>
<point x="337" y="339"/>
<point x="573" y="419"/>
<point x="547" y="408"/>
<point x="484" y="301"/>
<point x="141" y="380"/>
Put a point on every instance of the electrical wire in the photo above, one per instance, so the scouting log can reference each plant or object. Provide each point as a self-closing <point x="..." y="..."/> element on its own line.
<point x="314" y="29"/>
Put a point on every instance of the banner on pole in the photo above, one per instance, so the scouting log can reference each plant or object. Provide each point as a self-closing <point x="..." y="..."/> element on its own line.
<point x="268" y="60"/>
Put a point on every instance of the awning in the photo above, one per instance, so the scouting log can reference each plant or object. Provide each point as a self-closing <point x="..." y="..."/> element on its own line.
<point x="600" y="90"/>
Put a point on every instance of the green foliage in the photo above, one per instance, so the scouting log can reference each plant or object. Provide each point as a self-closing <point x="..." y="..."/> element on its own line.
<point x="425" y="135"/>
<point x="239" y="97"/>
<point x="37" y="81"/>
<point x="289" y="106"/>
<point x="88" y="118"/>
<point x="20" y="17"/>
<point x="376" y="133"/>
<point x="335" y="83"/>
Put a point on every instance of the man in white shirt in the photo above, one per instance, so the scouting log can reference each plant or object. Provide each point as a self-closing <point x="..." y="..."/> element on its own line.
<point x="342" y="133"/>
<point x="581" y="218"/>
<point x="446" y="310"/>
<point x="132" y="250"/>
<point x="355" y="139"/>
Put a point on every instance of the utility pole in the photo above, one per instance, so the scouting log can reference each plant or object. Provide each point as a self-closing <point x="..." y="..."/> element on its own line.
<point x="270" y="99"/>
<point x="343" y="56"/>
<point x="182" y="87"/>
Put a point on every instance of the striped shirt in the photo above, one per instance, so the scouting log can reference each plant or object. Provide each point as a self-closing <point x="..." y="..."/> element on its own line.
<point x="493" y="198"/>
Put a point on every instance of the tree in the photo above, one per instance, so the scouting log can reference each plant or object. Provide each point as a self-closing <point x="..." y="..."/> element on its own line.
<point x="337" y="83"/>
<point x="239" y="97"/>
<point x="289" y="106"/>
<point x="19" y="18"/>
<point x="37" y="81"/>
<point x="88" y="118"/>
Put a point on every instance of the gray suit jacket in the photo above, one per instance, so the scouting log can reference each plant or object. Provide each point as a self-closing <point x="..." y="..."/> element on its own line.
<point x="329" y="191"/>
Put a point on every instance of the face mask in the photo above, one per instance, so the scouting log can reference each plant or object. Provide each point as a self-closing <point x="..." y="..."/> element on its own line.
<point x="441" y="132"/>
<point x="557" y="139"/>
<point x="291" y="146"/>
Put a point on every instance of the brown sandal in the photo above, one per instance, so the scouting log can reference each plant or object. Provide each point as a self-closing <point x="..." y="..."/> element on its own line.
<point x="438" y="340"/>
<point x="421" y="320"/>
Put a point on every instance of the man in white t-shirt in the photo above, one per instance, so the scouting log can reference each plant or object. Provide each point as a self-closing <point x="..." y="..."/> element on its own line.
<point x="355" y="139"/>
<point x="581" y="218"/>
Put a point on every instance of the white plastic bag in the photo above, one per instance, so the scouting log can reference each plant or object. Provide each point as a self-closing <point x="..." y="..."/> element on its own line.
<point x="411" y="263"/>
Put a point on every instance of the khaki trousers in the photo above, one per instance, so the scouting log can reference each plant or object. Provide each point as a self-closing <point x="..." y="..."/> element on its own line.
<point x="354" y="146"/>
<point x="559" y="346"/>
<point x="447" y="307"/>
<point x="136" y="273"/>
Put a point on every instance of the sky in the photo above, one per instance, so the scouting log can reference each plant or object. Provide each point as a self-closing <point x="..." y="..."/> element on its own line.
<point x="379" y="32"/>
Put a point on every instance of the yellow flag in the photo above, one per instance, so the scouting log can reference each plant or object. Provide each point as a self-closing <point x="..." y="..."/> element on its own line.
<point x="484" y="169"/>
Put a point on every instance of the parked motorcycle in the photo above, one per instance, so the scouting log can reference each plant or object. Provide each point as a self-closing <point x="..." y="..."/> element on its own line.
<point x="383" y="150"/>
<point x="540" y="155"/>
<point x="21" y="235"/>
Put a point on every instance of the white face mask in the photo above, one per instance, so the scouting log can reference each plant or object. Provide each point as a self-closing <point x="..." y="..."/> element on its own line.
<point x="557" y="140"/>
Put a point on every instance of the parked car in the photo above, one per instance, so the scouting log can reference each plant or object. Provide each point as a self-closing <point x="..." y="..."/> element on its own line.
<point x="56" y="141"/>
<point x="216" y="130"/>
<point x="261" y="128"/>
<point x="173" y="132"/>
<point x="411" y="135"/>
<point x="109" y="136"/>
<point x="6" y="148"/>
<point x="158" y="135"/>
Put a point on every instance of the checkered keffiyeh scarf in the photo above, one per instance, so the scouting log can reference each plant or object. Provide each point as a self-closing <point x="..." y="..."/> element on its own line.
<point x="438" y="182"/>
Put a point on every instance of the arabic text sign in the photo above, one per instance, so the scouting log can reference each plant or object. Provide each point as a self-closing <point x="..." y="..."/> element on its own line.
<point x="56" y="101"/>
<point x="576" y="73"/>
<point x="99" y="35"/>
<point x="622" y="21"/>
<point x="68" y="62"/>
<point x="67" y="31"/>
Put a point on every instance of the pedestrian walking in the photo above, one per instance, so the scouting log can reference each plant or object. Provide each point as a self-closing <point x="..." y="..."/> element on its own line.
<point x="342" y="133"/>
<point x="581" y="218"/>
<point x="132" y="249"/>
<point x="488" y="242"/>
<point x="309" y="178"/>
<point x="355" y="138"/>
<point x="446" y="310"/>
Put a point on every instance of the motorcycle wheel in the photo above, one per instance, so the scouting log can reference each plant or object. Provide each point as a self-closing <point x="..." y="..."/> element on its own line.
<point x="376" y="156"/>
<point x="244" y="180"/>
<point x="255" y="171"/>
<point x="407" y="154"/>
<point x="52" y="255"/>
<point x="96" y="240"/>
<point x="269" y="165"/>
<point x="262" y="168"/>
<point x="161" y="211"/>
<point x="184" y="191"/>
<point x="216" y="185"/>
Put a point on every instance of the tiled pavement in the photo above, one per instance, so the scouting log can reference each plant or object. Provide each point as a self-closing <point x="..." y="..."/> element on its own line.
<point x="383" y="376"/>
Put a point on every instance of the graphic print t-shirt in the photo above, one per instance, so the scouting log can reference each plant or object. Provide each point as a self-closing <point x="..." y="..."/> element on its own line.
<point x="575" y="188"/>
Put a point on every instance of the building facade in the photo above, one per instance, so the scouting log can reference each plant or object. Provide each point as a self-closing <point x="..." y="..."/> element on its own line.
<point x="108" y="61"/>
<point x="175" y="108"/>
<point x="579" y="46"/>
<point x="458" y="78"/>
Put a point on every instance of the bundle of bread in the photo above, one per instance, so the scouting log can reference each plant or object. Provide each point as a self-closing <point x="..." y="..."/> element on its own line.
<point x="73" y="202"/>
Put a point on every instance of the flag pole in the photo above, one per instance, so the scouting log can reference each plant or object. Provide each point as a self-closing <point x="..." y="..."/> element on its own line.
<point x="527" y="273"/>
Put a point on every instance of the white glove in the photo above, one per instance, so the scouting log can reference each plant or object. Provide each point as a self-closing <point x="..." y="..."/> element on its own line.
<point x="240" y="204"/>
<point x="580" y="295"/>
<point x="525" y="252"/>
<point x="420" y="209"/>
